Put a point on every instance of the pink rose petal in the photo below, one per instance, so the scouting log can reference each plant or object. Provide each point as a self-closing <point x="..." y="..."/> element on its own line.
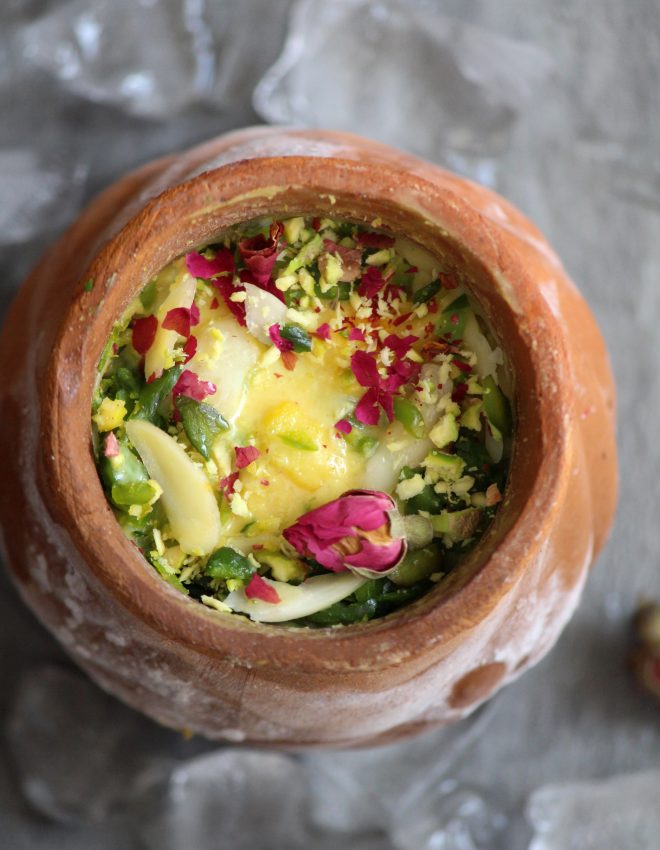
<point x="259" y="588"/>
<point x="110" y="445"/>
<point x="228" y="483"/>
<point x="344" y="426"/>
<point x="365" y="369"/>
<point x="144" y="333"/>
<point x="374" y="240"/>
<point x="178" y="319"/>
<point x="400" y="345"/>
<point x="401" y="319"/>
<point x="260" y="253"/>
<point x="367" y="410"/>
<point x="221" y="264"/>
<point x="190" y="385"/>
<point x="190" y="348"/>
<point x="355" y="334"/>
<point x="323" y="331"/>
<point x="226" y="289"/>
<point x="372" y="282"/>
<point x="275" y="334"/>
<point x="245" y="455"/>
<point x="345" y="525"/>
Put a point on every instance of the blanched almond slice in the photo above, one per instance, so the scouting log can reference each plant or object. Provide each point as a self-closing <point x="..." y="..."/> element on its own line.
<point x="160" y="356"/>
<point x="262" y="309"/>
<point x="188" y="499"/>
<point x="312" y="595"/>
<point x="383" y="467"/>
<point x="225" y="354"/>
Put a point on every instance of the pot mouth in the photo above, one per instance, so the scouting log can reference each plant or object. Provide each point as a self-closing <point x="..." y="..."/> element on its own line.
<point x="191" y="214"/>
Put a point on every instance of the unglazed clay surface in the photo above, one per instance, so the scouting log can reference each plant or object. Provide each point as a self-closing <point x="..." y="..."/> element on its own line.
<point x="186" y="667"/>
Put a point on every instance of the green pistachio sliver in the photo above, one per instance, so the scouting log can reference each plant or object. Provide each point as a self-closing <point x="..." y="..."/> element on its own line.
<point x="153" y="394"/>
<point x="426" y="292"/>
<point x="226" y="563"/>
<point x="329" y="295"/>
<point x="201" y="422"/>
<point x="417" y="565"/>
<point x="342" y="613"/>
<point x="292" y="297"/>
<point x="428" y="500"/>
<point x="128" y="380"/>
<point x="307" y="253"/>
<point x="124" y="468"/>
<point x="298" y="440"/>
<point x="453" y="318"/>
<point x="496" y="406"/>
<point x="458" y="525"/>
<point x="409" y="415"/>
<point x="169" y="577"/>
<point x="298" y="337"/>
<point x="371" y="589"/>
<point x="148" y="295"/>
<point x="133" y="493"/>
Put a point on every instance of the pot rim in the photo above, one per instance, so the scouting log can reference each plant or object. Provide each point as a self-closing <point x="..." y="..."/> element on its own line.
<point x="188" y="215"/>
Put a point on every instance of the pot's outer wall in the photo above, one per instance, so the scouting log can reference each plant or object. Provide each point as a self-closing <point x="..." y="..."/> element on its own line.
<point x="234" y="681"/>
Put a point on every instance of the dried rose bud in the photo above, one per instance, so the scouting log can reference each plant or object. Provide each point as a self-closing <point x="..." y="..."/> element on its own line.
<point x="645" y="659"/>
<point x="360" y="531"/>
<point x="647" y="623"/>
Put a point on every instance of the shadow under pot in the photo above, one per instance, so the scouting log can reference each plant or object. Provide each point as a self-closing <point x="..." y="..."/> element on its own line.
<point x="303" y="449"/>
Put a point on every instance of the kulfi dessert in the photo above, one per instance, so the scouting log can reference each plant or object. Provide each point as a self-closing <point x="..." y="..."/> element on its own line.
<point x="307" y="422"/>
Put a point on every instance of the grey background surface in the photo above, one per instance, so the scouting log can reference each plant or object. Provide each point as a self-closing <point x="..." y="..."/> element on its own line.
<point x="582" y="159"/>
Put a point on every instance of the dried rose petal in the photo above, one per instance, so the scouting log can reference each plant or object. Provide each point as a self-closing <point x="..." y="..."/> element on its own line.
<point x="400" y="345"/>
<point x="355" y="334"/>
<point x="259" y="588"/>
<point x="278" y="340"/>
<point x="372" y="282"/>
<point x="221" y="264"/>
<point x="323" y="331"/>
<point x="352" y="532"/>
<point x="374" y="240"/>
<point x="226" y="290"/>
<point x="190" y="348"/>
<point x="344" y="426"/>
<point x="401" y="319"/>
<point x="365" y="369"/>
<point x="245" y="455"/>
<point x="144" y="333"/>
<point x="110" y="445"/>
<point x="228" y="483"/>
<point x="260" y="253"/>
<point x="460" y="364"/>
<point x="178" y="319"/>
<point x="190" y="385"/>
<point x="367" y="410"/>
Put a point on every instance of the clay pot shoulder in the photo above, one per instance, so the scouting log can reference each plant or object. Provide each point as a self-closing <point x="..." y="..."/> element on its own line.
<point x="227" y="678"/>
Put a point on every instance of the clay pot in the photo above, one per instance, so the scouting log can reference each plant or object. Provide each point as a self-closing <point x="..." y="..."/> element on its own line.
<point x="186" y="666"/>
